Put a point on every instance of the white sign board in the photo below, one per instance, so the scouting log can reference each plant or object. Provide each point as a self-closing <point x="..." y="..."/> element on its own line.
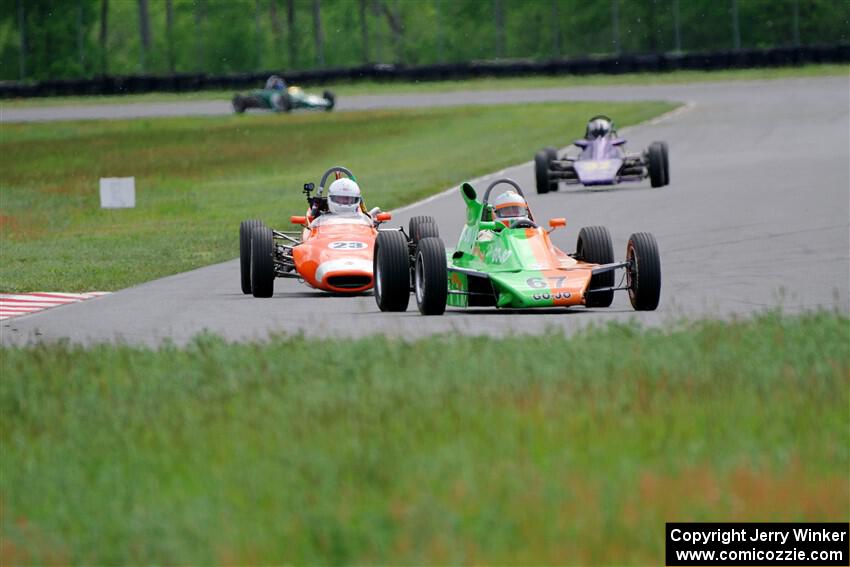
<point x="117" y="192"/>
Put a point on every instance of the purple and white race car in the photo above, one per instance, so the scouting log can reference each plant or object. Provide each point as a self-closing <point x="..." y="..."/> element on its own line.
<point x="602" y="161"/>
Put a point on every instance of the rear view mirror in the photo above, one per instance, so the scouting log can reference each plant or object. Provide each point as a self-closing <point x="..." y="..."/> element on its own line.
<point x="580" y="143"/>
<point x="618" y="141"/>
<point x="558" y="222"/>
<point x="298" y="220"/>
<point x="383" y="217"/>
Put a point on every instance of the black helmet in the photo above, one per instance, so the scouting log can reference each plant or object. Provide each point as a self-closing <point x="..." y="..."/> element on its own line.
<point x="598" y="126"/>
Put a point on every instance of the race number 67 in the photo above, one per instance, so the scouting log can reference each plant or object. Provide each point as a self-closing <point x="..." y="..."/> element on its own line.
<point x="542" y="283"/>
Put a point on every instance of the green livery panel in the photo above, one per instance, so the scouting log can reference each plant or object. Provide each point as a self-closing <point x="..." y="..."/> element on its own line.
<point x="515" y="267"/>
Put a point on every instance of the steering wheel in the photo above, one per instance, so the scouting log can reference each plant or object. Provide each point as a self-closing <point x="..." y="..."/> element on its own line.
<point x="523" y="223"/>
<point x="334" y="169"/>
<point x="506" y="181"/>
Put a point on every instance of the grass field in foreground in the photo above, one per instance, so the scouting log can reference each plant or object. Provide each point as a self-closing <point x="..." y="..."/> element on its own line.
<point x="452" y="449"/>
<point x="486" y="83"/>
<point x="197" y="178"/>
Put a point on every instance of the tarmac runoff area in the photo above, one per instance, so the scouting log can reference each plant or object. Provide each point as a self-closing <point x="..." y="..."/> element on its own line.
<point x="757" y="216"/>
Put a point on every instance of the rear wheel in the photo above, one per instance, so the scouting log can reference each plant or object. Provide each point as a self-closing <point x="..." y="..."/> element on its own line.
<point x="285" y="102"/>
<point x="594" y="246"/>
<point x="245" y="230"/>
<point x="416" y="233"/>
<point x="391" y="269"/>
<point x="655" y="156"/>
<point x="251" y="101"/>
<point x="644" y="272"/>
<point x="430" y="283"/>
<point x="666" y="163"/>
<point x="541" y="172"/>
<point x="425" y="230"/>
<point x="262" y="262"/>
<point x="329" y="96"/>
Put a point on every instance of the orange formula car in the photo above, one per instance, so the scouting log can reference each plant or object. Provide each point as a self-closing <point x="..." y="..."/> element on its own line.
<point x="332" y="252"/>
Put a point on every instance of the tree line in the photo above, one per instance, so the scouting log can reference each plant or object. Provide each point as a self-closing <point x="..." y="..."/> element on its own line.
<point x="54" y="39"/>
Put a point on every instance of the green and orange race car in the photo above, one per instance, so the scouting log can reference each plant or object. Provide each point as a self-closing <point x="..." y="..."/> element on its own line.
<point x="504" y="259"/>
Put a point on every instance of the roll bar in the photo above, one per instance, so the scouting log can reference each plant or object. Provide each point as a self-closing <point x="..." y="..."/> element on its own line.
<point x="334" y="169"/>
<point x="506" y="181"/>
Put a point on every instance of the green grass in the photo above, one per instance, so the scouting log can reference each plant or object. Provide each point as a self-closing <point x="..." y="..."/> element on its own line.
<point x="490" y="83"/>
<point x="197" y="178"/>
<point x="452" y="449"/>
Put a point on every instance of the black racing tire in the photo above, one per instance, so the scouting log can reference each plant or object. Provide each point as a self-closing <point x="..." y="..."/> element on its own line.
<point x="329" y="96"/>
<point x="286" y="102"/>
<point x="655" y="157"/>
<point x="238" y="104"/>
<point x="430" y="276"/>
<point x="245" y="230"/>
<point x="665" y="152"/>
<point x="552" y="153"/>
<point x="391" y="271"/>
<point x="594" y="246"/>
<point x="414" y="232"/>
<point x="426" y="230"/>
<point x="252" y="101"/>
<point x="644" y="272"/>
<point x="262" y="262"/>
<point x="541" y="172"/>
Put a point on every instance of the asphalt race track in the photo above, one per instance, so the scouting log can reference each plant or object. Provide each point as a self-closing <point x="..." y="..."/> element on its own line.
<point x="757" y="216"/>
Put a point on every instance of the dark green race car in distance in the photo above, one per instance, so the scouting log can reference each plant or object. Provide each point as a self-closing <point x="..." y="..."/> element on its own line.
<point x="278" y="97"/>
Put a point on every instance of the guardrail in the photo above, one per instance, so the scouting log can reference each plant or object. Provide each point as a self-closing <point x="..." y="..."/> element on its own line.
<point x="624" y="63"/>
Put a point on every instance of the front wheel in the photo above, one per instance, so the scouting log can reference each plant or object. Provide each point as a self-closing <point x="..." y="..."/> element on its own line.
<point x="541" y="172"/>
<point x="655" y="157"/>
<point x="329" y="96"/>
<point x="595" y="247"/>
<point x="552" y="154"/>
<point x="262" y="262"/>
<point x="245" y="230"/>
<point x="644" y="271"/>
<point x="430" y="281"/>
<point x="391" y="271"/>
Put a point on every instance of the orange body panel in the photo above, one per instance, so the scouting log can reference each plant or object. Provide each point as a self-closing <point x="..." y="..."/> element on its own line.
<point x="559" y="268"/>
<point x="337" y="256"/>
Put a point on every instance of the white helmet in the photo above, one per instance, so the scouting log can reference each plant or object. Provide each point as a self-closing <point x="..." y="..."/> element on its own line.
<point x="509" y="207"/>
<point x="344" y="196"/>
<point x="598" y="126"/>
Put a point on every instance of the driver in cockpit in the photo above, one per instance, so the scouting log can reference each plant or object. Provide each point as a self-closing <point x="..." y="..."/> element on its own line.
<point x="510" y="207"/>
<point x="599" y="126"/>
<point x="344" y="197"/>
<point x="275" y="83"/>
<point x="344" y="201"/>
